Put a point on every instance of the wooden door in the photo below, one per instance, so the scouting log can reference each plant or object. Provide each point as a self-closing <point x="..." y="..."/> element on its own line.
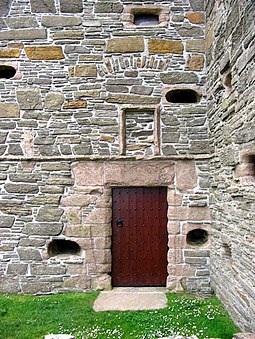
<point x="139" y="237"/>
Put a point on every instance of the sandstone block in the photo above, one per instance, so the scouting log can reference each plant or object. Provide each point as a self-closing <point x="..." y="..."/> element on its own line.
<point x="78" y="199"/>
<point x="186" y="176"/>
<point x="103" y="282"/>
<point x="24" y="34"/>
<point x="21" y="22"/>
<point x="162" y="46"/>
<point x="38" y="269"/>
<point x="10" y="284"/>
<point x="188" y="213"/>
<point x="91" y="93"/>
<point x="49" y="214"/>
<point x="196" y="17"/>
<point x="85" y="70"/>
<point x="108" y="7"/>
<point x="88" y="173"/>
<point x="68" y="34"/>
<point x="55" y="166"/>
<point x="29" y="254"/>
<point x="190" y="31"/>
<point x="21" y="188"/>
<point x="178" y="78"/>
<point x="17" y="269"/>
<point x="195" y="62"/>
<point x="29" y="99"/>
<point x="10" y="52"/>
<point x="195" y="45"/>
<point x="74" y="6"/>
<point x="45" y="6"/>
<point x="44" y="229"/>
<point x="44" y="52"/>
<point x="79" y="231"/>
<point x="8" y="110"/>
<point x="98" y="216"/>
<point x="54" y="100"/>
<point x="6" y="221"/>
<point x="125" y="45"/>
<point x="197" y="5"/>
<point x="60" y="21"/>
<point x="141" y="90"/>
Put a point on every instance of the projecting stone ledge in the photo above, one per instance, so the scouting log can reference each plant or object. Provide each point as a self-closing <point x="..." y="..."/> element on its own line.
<point x="125" y="45"/>
<point x="44" y="53"/>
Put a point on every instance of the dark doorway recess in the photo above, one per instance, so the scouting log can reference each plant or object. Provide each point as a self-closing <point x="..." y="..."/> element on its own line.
<point x="197" y="237"/>
<point x="139" y="236"/>
<point x="146" y="20"/>
<point x="182" y="96"/>
<point x="61" y="246"/>
<point x="7" y="72"/>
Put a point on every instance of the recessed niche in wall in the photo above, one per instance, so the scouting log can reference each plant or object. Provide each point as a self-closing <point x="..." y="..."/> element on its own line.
<point x="7" y="72"/>
<point x="146" y="20"/>
<point x="182" y="96"/>
<point x="139" y="131"/>
<point x="145" y="15"/>
<point x="227" y="83"/>
<point x="245" y="170"/>
<point x="197" y="237"/>
<point x="62" y="246"/>
<point x="226" y="251"/>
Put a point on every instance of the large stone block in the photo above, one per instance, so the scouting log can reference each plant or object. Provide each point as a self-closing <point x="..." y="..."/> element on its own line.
<point x="44" y="52"/>
<point x="9" y="110"/>
<point x="29" y="254"/>
<point x="6" y="221"/>
<point x="125" y="45"/>
<point x="75" y="104"/>
<point x="29" y="99"/>
<point x="49" y="214"/>
<point x="189" y="213"/>
<point x="196" y="17"/>
<point x="9" y="285"/>
<point x="195" y="45"/>
<point x="21" y="188"/>
<point x="89" y="173"/>
<point x="5" y="7"/>
<point x="38" y="269"/>
<point x="21" y="22"/>
<point x="17" y="269"/>
<point x="195" y="62"/>
<point x="60" y="21"/>
<point x="186" y="176"/>
<point x="162" y="46"/>
<point x="74" y="6"/>
<point x="24" y="34"/>
<point x="132" y="99"/>
<point x="10" y="53"/>
<point x="108" y="7"/>
<point x="178" y="78"/>
<point x="45" y="6"/>
<point x="85" y="70"/>
<point x="54" y="100"/>
<point x="44" y="229"/>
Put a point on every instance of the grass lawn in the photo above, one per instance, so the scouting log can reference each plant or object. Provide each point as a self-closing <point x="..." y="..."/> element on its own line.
<point x="32" y="317"/>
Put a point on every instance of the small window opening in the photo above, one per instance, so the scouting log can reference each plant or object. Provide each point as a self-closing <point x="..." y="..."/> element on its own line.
<point x="61" y="246"/>
<point x="182" y="96"/>
<point x="7" y="72"/>
<point x="226" y="251"/>
<point x="251" y="164"/>
<point x="146" y="20"/>
<point x="197" y="237"/>
<point x="227" y="83"/>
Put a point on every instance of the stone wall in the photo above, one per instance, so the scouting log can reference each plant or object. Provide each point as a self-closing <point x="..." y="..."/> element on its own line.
<point x="86" y="93"/>
<point x="230" y="63"/>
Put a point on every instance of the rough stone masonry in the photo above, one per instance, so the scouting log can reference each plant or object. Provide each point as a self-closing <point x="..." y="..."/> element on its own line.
<point x="93" y="97"/>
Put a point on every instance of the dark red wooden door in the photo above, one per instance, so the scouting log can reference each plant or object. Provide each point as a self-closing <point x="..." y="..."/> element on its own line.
<point x="139" y="237"/>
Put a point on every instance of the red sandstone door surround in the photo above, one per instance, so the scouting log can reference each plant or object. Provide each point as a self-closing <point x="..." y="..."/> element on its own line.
<point x="139" y="236"/>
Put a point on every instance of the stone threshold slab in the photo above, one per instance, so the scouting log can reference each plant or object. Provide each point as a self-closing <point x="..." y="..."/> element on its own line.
<point x="131" y="299"/>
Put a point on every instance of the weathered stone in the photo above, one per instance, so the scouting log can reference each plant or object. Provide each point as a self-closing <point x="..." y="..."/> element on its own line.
<point x="29" y="99"/>
<point x="49" y="214"/>
<point x="178" y="77"/>
<point x="44" y="229"/>
<point x="165" y="46"/>
<point x="9" y="110"/>
<point x="21" y="22"/>
<point x="54" y="100"/>
<point x="71" y="7"/>
<point x="60" y="21"/>
<point x="68" y="34"/>
<point x="8" y="285"/>
<point x="195" y="62"/>
<point x="75" y="104"/>
<point x="23" y="34"/>
<point x="10" y="53"/>
<point x="108" y="7"/>
<point x="17" y="269"/>
<point x="125" y="45"/>
<point x="195" y="45"/>
<point x="45" y="6"/>
<point x="197" y="5"/>
<point x="44" y="52"/>
<point x="91" y="93"/>
<point x="39" y="269"/>
<point x="15" y="149"/>
<point x="5" y="7"/>
<point x="85" y="71"/>
<point x="188" y="213"/>
<point x="191" y="31"/>
<point x="21" y="188"/>
<point x="141" y="90"/>
<point x="6" y="221"/>
<point x="29" y="254"/>
<point x="196" y="17"/>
